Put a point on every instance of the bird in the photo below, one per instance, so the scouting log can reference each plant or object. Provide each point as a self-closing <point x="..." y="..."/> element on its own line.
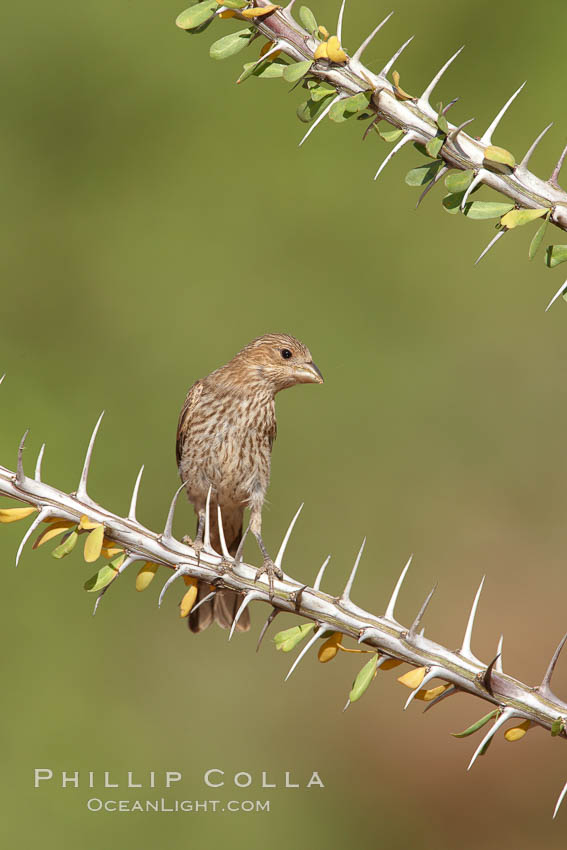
<point x="225" y="434"/>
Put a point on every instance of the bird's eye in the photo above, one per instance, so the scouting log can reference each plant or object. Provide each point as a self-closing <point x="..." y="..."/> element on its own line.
<point x="286" y="353"/>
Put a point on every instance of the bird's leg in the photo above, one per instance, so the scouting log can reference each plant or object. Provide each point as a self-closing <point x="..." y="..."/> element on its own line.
<point x="268" y="566"/>
<point x="197" y="543"/>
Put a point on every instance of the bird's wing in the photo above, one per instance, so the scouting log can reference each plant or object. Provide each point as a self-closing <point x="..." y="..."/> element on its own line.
<point x="193" y="397"/>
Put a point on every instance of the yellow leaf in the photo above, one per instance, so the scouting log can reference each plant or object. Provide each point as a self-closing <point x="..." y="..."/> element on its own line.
<point x="413" y="678"/>
<point x="14" y="514"/>
<point x="190" y="581"/>
<point x="493" y="155"/>
<point x="52" y="531"/>
<point x="329" y="648"/>
<point x="259" y="12"/>
<point x="399" y="92"/>
<point x="515" y="218"/>
<point x="517" y="732"/>
<point x="228" y="13"/>
<point x="431" y="693"/>
<point x="86" y="524"/>
<point x="146" y="575"/>
<point x="321" y="51"/>
<point x="266" y="47"/>
<point x="111" y="551"/>
<point x="335" y="51"/>
<point x="93" y="544"/>
<point x="324" y="32"/>
<point x="390" y="663"/>
<point x="188" y="601"/>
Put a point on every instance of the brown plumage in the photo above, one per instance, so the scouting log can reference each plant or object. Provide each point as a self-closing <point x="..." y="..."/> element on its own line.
<point x="224" y="440"/>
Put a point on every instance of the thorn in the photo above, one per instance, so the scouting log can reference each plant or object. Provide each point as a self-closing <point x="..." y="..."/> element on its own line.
<point x="240" y="550"/>
<point x="285" y="541"/>
<point x="224" y="550"/>
<point x="202" y="601"/>
<point x="179" y="571"/>
<point x="249" y="597"/>
<point x="441" y="173"/>
<point x="126" y="563"/>
<point x="366" y="633"/>
<point x="297" y="596"/>
<point x="43" y="514"/>
<point x="448" y="693"/>
<point x="389" y="615"/>
<point x="560" y="800"/>
<point x="465" y="649"/>
<point x="2" y="378"/>
<point x="207" y="535"/>
<point x="166" y="533"/>
<point x="37" y="473"/>
<point x="478" y="178"/>
<point x="345" y="596"/>
<point x="82" y="488"/>
<point x="340" y="22"/>
<point x="524" y="163"/>
<point x="424" y="99"/>
<point x="432" y="674"/>
<point x="555" y="173"/>
<point x="271" y="617"/>
<point x="545" y="687"/>
<point x="486" y="138"/>
<point x="559" y="292"/>
<point x="487" y="677"/>
<point x="346" y="705"/>
<point x="277" y="46"/>
<point x="134" y="500"/>
<point x="409" y="137"/>
<point x="498" y="665"/>
<point x="386" y="69"/>
<point x="20" y="474"/>
<point x="507" y="714"/>
<point x="318" y="633"/>
<point x="318" y="120"/>
<point x="416" y="623"/>
<point x="369" y="38"/>
<point x="492" y="242"/>
<point x="317" y="584"/>
<point x="289" y="6"/>
<point x="452" y="134"/>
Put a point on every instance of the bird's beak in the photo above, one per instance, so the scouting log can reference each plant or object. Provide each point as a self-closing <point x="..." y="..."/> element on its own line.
<point x="309" y="374"/>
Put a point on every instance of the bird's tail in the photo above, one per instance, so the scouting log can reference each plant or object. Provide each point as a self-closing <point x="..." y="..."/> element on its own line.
<point x="223" y="606"/>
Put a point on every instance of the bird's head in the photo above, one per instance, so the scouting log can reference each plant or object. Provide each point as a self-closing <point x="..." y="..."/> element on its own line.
<point x="280" y="361"/>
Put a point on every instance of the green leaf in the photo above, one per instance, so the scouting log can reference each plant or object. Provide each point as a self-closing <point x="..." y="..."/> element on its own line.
<point x="441" y="120"/>
<point x="460" y="181"/>
<point x="296" y="71"/>
<point x="538" y="239"/>
<point x="554" y="255"/>
<point x="289" y="638"/>
<point x="420" y="148"/>
<point x="307" y="18"/>
<point x="486" y="209"/>
<point x="557" y="726"/>
<point x="423" y="173"/>
<point x="321" y="91"/>
<point x="309" y="110"/>
<point x="476" y="726"/>
<point x="101" y="579"/>
<point x="363" y="679"/>
<point x="347" y="107"/>
<point x="231" y="44"/>
<point x="434" y="145"/>
<point x="390" y="135"/>
<point x="516" y="218"/>
<point x="235" y="4"/>
<point x="265" y="69"/>
<point x="66" y="547"/>
<point x="194" y="16"/>
<point x="452" y="203"/>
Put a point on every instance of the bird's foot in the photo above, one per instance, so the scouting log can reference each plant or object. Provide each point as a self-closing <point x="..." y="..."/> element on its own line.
<point x="270" y="568"/>
<point x="197" y="545"/>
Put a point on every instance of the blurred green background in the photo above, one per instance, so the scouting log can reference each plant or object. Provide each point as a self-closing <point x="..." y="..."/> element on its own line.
<point x="156" y="218"/>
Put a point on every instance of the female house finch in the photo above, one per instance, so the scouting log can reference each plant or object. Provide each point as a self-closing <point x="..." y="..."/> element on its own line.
<point x="224" y="441"/>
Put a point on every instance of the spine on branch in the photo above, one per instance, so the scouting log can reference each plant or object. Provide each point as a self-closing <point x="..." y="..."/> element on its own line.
<point x="340" y="87"/>
<point x="123" y="541"/>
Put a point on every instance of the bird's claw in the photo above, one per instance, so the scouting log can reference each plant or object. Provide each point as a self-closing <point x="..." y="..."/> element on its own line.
<point x="272" y="570"/>
<point x="197" y="545"/>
